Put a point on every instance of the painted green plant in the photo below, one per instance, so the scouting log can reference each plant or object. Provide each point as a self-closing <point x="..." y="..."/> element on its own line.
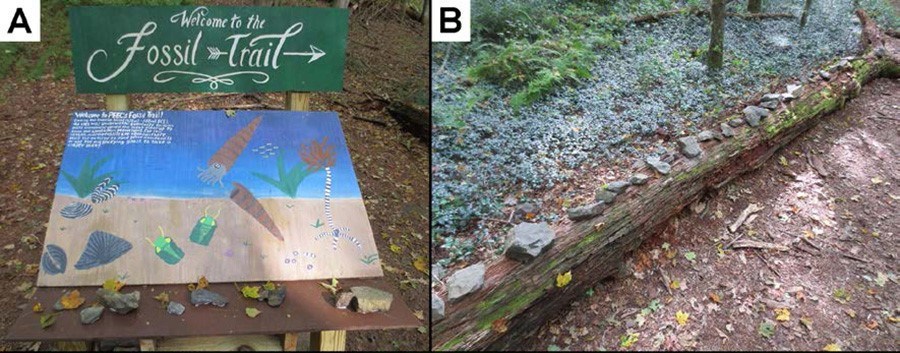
<point x="87" y="178"/>
<point x="288" y="180"/>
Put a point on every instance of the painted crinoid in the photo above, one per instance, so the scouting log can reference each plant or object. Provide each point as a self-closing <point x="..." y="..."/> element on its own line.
<point x="317" y="154"/>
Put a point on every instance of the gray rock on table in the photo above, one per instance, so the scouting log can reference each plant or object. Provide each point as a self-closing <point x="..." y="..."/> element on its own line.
<point x="465" y="281"/>
<point x="204" y="296"/>
<point x="275" y="297"/>
<point x="117" y="302"/>
<point x="175" y="308"/>
<point x="529" y="240"/>
<point x="369" y="300"/>
<point x="343" y="299"/>
<point x="91" y="314"/>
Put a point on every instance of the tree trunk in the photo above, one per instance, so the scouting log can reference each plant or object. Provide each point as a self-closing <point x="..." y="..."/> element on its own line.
<point x="341" y="3"/>
<point x="524" y="296"/>
<point x="426" y="13"/>
<point x="805" y="16"/>
<point x="716" y="36"/>
<point x="754" y="6"/>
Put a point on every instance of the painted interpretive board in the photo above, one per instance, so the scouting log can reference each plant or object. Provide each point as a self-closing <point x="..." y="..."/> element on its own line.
<point x="157" y="197"/>
<point x="140" y="49"/>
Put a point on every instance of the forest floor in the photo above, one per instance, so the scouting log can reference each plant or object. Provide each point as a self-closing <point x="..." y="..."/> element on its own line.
<point x="391" y="164"/>
<point x="829" y="203"/>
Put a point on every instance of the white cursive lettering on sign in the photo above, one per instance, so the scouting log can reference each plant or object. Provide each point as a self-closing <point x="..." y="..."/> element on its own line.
<point x="244" y="50"/>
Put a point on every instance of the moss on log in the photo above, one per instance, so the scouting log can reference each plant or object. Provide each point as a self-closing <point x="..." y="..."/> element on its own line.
<point x="525" y="295"/>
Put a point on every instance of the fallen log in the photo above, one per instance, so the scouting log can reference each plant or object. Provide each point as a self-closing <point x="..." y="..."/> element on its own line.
<point x="703" y="12"/>
<point x="524" y="296"/>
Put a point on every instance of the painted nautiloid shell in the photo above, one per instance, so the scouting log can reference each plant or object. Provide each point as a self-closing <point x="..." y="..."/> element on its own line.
<point x="54" y="260"/>
<point x="102" y="248"/>
<point x="76" y="210"/>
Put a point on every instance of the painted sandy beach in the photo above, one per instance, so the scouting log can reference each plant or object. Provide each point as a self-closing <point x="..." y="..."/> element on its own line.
<point x="240" y="249"/>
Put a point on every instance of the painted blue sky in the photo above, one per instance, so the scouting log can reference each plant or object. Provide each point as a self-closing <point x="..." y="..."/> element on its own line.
<point x="170" y="171"/>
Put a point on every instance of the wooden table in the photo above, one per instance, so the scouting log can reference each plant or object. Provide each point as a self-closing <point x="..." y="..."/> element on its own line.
<point x="308" y="307"/>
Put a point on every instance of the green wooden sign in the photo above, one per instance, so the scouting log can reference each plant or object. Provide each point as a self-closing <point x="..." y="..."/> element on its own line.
<point x="207" y="49"/>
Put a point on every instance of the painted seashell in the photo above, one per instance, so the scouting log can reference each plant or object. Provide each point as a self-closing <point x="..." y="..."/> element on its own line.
<point x="101" y="249"/>
<point x="76" y="210"/>
<point x="104" y="191"/>
<point x="53" y="261"/>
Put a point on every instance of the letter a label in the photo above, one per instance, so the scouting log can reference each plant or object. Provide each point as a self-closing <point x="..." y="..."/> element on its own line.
<point x="20" y="21"/>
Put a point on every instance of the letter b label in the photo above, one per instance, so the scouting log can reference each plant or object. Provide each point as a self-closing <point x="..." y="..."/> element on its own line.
<point x="450" y="21"/>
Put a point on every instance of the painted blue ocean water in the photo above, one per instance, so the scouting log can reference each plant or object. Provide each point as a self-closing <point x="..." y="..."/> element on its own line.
<point x="199" y="154"/>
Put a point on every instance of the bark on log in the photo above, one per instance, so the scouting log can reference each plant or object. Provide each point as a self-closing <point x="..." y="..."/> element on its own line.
<point x="524" y="295"/>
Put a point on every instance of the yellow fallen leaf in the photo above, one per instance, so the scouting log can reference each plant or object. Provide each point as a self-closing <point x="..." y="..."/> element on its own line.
<point x="782" y="314"/>
<point x="626" y="341"/>
<point x="832" y="347"/>
<point x="162" y="298"/>
<point x="333" y="287"/>
<point x="250" y="292"/>
<point x="71" y="300"/>
<point x="421" y="264"/>
<point x="113" y="285"/>
<point x="675" y="284"/>
<point x="894" y="319"/>
<point x="563" y="279"/>
<point x="202" y="282"/>
<point x="37" y="308"/>
<point x="252" y="312"/>
<point x="395" y="248"/>
<point x="269" y="286"/>
<point x="681" y="317"/>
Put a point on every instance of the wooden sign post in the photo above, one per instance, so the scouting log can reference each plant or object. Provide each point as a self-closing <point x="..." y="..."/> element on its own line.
<point x="212" y="49"/>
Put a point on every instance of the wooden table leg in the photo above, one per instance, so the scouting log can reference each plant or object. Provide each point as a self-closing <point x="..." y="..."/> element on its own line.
<point x="290" y="342"/>
<point x="79" y="346"/>
<point x="327" y="341"/>
<point x="147" y="345"/>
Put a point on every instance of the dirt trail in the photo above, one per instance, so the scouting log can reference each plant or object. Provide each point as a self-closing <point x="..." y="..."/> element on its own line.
<point x="829" y="199"/>
<point x="391" y="164"/>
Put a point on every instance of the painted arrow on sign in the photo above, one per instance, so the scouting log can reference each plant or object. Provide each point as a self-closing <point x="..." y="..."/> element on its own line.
<point x="314" y="54"/>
